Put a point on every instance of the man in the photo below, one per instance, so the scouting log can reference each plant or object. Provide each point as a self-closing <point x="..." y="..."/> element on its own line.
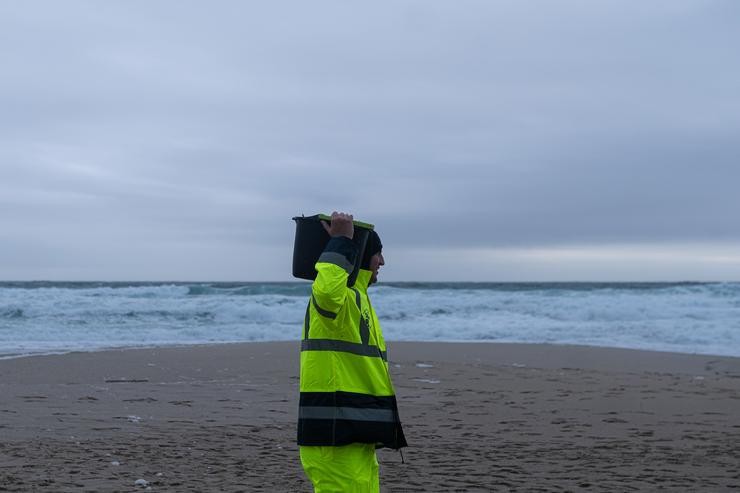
<point x="347" y="404"/>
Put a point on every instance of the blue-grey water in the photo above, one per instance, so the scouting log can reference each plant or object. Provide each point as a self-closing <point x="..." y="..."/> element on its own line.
<point x="681" y="317"/>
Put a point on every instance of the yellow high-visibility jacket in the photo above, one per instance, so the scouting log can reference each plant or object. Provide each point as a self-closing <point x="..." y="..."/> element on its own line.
<point x="346" y="391"/>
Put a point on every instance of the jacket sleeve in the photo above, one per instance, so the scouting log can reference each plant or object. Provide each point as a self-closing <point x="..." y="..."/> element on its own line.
<point x="333" y="267"/>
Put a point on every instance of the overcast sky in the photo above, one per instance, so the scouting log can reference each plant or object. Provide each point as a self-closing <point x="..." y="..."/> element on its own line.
<point x="487" y="140"/>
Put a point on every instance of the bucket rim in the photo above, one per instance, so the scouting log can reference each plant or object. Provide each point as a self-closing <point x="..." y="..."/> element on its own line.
<point x="325" y="217"/>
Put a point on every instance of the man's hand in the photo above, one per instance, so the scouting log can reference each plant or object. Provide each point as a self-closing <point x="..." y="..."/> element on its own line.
<point x="341" y="225"/>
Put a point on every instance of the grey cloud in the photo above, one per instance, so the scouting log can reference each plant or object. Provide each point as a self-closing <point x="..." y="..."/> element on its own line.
<point x="505" y="124"/>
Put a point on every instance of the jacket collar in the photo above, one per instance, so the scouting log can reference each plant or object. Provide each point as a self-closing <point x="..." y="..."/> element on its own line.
<point x="363" y="280"/>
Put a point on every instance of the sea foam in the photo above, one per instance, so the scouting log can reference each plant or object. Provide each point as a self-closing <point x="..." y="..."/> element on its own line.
<point x="689" y="318"/>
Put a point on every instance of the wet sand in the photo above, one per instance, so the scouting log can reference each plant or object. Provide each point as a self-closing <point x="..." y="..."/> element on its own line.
<point x="478" y="417"/>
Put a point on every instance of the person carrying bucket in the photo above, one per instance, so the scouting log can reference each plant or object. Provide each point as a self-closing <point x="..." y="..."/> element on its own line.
<point x="347" y="404"/>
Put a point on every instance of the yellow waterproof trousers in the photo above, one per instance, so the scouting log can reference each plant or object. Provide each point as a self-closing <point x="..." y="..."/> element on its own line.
<point x="349" y="468"/>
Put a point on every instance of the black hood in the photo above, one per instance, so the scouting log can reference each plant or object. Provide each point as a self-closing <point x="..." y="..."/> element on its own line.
<point x="372" y="247"/>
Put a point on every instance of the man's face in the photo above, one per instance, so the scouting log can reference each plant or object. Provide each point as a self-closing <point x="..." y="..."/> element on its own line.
<point x="375" y="262"/>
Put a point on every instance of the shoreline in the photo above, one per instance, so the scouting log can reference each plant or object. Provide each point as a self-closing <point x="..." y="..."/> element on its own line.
<point x="391" y="343"/>
<point x="511" y="417"/>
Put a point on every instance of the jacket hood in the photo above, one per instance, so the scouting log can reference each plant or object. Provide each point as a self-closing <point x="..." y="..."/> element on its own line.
<point x="372" y="246"/>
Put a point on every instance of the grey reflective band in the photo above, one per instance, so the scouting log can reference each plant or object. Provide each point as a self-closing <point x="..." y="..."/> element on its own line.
<point x="342" y="347"/>
<point x="357" y="299"/>
<point x="364" y="330"/>
<point x="307" y="321"/>
<point x="364" y="327"/>
<point x="325" y="313"/>
<point x="337" y="259"/>
<point x="352" y="413"/>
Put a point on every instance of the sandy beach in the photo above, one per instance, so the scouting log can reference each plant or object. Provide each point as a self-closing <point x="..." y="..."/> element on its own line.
<point x="478" y="417"/>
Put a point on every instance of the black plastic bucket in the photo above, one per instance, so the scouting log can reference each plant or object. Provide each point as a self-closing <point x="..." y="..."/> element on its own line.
<point x="311" y="239"/>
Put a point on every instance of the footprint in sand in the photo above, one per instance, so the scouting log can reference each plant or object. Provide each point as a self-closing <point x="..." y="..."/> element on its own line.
<point x="181" y="403"/>
<point x="614" y="420"/>
<point x="32" y="398"/>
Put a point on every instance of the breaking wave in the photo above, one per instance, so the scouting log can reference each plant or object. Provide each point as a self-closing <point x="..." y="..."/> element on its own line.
<point x="680" y="317"/>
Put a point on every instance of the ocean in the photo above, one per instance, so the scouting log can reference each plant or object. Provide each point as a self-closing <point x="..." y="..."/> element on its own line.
<point x="53" y="317"/>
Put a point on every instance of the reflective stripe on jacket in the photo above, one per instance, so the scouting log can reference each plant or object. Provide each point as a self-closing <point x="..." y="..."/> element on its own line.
<point x="346" y="391"/>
